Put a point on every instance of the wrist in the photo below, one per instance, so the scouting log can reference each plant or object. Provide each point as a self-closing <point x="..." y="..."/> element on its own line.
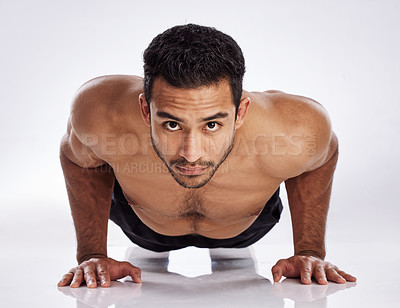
<point x="311" y="253"/>
<point x="83" y="258"/>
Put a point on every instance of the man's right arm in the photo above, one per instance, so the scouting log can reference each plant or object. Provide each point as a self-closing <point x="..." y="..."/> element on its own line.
<point x="89" y="191"/>
<point x="89" y="181"/>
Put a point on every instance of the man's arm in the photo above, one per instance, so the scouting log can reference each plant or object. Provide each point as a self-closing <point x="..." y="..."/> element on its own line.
<point x="89" y="192"/>
<point x="89" y="182"/>
<point x="307" y="170"/>
<point x="309" y="195"/>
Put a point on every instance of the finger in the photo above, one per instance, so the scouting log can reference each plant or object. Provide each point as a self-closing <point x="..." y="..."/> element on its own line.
<point x="66" y="279"/>
<point x="133" y="271"/>
<point x="346" y="276"/>
<point x="333" y="275"/>
<point x="305" y="267"/>
<point x="319" y="274"/>
<point x="277" y="270"/>
<point x="78" y="278"/>
<point x="104" y="275"/>
<point x="90" y="276"/>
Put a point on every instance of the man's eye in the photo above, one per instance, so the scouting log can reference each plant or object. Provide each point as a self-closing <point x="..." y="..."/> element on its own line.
<point x="172" y="126"/>
<point x="212" y="126"/>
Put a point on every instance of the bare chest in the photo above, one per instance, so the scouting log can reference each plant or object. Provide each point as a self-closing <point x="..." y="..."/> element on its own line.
<point x="223" y="208"/>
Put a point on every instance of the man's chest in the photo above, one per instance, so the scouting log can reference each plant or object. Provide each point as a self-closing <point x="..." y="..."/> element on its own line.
<point x="228" y="203"/>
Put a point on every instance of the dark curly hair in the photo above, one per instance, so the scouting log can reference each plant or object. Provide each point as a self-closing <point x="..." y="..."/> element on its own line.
<point x="191" y="56"/>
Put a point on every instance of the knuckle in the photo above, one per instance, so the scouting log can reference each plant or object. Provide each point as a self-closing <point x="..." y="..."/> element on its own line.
<point x="343" y="274"/>
<point x="89" y="273"/>
<point x="78" y="272"/>
<point x="301" y="264"/>
<point x="319" y="269"/>
<point x="90" y="262"/>
<point x="332" y="273"/>
<point x="84" y="264"/>
<point x="280" y="262"/>
<point x="126" y="263"/>
<point x="307" y="259"/>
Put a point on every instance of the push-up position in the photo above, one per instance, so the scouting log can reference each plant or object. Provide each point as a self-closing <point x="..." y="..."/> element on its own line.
<point x="185" y="157"/>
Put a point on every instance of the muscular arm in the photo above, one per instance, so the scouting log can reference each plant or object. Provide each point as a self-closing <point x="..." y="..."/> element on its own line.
<point x="309" y="196"/>
<point x="309" y="177"/>
<point x="89" y="181"/>
<point x="89" y="192"/>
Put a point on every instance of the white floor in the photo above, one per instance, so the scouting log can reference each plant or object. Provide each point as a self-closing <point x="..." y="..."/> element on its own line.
<point x="38" y="247"/>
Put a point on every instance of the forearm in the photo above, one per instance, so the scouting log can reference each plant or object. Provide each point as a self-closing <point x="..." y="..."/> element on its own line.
<point x="309" y="196"/>
<point x="89" y="192"/>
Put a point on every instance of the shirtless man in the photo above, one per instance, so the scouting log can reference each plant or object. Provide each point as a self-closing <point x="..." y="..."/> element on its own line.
<point x="185" y="157"/>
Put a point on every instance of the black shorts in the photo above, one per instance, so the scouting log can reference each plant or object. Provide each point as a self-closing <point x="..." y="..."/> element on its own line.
<point x="122" y="214"/>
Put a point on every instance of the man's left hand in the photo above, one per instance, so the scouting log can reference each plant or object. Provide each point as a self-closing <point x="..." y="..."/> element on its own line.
<point x="307" y="267"/>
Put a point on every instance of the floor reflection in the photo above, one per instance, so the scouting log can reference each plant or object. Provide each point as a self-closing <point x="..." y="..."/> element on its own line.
<point x="313" y="295"/>
<point x="231" y="282"/>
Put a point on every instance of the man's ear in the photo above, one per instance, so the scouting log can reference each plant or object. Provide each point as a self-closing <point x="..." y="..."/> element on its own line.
<point x="144" y="109"/>
<point x="242" y="110"/>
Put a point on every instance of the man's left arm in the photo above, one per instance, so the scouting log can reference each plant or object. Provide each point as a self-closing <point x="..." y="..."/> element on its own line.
<point x="309" y="195"/>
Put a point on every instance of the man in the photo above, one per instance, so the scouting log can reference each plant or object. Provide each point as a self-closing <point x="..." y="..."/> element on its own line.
<point x="185" y="157"/>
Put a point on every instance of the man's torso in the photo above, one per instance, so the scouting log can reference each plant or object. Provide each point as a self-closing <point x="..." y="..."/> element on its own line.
<point x="267" y="149"/>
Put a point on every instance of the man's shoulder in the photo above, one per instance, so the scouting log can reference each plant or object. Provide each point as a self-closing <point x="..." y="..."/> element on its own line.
<point x="99" y="102"/>
<point x="291" y="108"/>
<point x="298" y="131"/>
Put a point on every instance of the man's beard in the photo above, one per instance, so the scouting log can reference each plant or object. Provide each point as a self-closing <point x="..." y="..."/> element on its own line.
<point x="187" y="180"/>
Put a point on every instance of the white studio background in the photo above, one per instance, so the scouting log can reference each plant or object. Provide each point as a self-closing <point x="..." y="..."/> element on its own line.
<point x="344" y="54"/>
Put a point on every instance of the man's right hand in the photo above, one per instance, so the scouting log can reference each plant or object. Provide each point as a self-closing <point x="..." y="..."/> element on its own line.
<point x="99" y="269"/>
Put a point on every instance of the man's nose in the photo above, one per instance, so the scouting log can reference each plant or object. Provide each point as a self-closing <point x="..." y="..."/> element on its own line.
<point x="191" y="148"/>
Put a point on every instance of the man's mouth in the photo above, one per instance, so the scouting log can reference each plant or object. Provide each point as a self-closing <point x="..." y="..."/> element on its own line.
<point x="191" y="170"/>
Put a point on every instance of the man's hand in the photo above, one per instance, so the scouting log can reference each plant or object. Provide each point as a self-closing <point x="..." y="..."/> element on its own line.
<point x="307" y="267"/>
<point x="99" y="269"/>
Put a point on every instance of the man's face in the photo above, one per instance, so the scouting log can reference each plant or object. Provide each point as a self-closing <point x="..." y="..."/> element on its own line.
<point x="192" y="130"/>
